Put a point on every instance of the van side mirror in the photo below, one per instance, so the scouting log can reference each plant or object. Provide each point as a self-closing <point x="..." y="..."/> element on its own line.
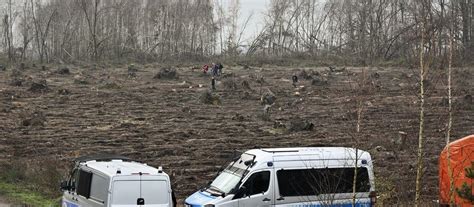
<point x="65" y="186"/>
<point x="248" y="162"/>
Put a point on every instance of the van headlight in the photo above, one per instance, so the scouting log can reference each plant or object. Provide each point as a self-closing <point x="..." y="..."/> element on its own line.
<point x="209" y="205"/>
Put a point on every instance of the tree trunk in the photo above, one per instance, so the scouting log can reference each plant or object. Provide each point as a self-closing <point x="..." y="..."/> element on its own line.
<point x="471" y="25"/>
<point x="419" y="170"/>
<point x="465" y="22"/>
<point x="354" y="181"/>
<point x="8" y="24"/>
<point x="450" y="112"/>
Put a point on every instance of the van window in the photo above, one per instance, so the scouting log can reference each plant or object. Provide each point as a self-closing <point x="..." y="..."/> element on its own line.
<point x="84" y="185"/>
<point x="99" y="186"/>
<point x="126" y="192"/>
<point x="256" y="184"/>
<point x="230" y="177"/>
<point x="307" y="182"/>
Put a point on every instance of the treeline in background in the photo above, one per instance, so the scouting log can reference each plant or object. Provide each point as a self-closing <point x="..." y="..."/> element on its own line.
<point x="361" y="32"/>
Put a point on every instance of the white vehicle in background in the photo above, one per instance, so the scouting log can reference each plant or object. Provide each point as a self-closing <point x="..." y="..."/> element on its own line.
<point x="108" y="181"/>
<point x="291" y="177"/>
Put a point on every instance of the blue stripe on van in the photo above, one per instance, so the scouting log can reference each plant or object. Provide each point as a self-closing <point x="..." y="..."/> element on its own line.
<point x="69" y="204"/>
<point x="327" y="205"/>
<point x="199" y="199"/>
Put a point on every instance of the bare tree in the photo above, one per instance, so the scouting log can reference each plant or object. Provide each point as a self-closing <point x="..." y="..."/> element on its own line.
<point x="26" y="29"/>
<point x="42" y="27"/>
<point x="362" y="90"/>
<point x="8" y="21"/>
<point x="450" y="106"/>
<point x="422" y="7"/>
<point x="92" y="17"/>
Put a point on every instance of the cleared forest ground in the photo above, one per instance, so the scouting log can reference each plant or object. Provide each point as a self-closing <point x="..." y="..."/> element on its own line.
<point x="48" y="115"/>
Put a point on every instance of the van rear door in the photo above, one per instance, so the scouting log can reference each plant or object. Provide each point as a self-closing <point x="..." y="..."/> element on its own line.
<point x="133" y="190"/>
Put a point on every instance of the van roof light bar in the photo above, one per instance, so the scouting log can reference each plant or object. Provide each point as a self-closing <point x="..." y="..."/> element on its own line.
<point x="101" y="157"/>
<point x="279" y="151"/>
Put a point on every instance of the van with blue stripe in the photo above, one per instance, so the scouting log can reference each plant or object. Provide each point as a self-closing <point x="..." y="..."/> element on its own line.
<point x="296" y="177"/>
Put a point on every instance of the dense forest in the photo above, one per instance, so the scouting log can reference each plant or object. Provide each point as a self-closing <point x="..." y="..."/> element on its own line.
<point x="361" y="30"/>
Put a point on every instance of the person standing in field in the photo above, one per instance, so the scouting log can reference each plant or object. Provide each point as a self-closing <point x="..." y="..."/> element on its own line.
<point x="215" y="70"/>
<point x="219" y="67"/>
<point x="205" y="68"/>
<point x="295" y="80"/>
<point x="213" y="83"/>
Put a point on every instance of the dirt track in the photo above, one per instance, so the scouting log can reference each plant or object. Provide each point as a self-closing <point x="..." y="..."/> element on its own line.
<point x="162" y="122"/>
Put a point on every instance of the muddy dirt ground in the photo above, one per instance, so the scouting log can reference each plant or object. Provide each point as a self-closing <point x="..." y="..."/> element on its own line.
<point x="56" y="114"/>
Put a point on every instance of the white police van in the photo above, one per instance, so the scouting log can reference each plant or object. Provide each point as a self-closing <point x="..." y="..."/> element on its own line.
<point x="291" y="177"/>
<point x="108" y="181"/>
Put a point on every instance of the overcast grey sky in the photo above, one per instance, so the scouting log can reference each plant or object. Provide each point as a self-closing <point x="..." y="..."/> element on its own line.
<point x="258" y="7"/>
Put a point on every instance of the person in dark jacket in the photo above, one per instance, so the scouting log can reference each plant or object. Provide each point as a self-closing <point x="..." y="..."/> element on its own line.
<point x="215" y="70"/>
<point x="213" y="83"/>
<point x="219" y="67"/>
<point x="295" y="80"/>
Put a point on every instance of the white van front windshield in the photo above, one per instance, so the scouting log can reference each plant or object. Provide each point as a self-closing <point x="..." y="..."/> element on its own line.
<point x="231" y="175"/>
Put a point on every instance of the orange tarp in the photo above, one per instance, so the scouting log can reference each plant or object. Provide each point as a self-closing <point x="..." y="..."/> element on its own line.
<point x="461" y="155"/>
